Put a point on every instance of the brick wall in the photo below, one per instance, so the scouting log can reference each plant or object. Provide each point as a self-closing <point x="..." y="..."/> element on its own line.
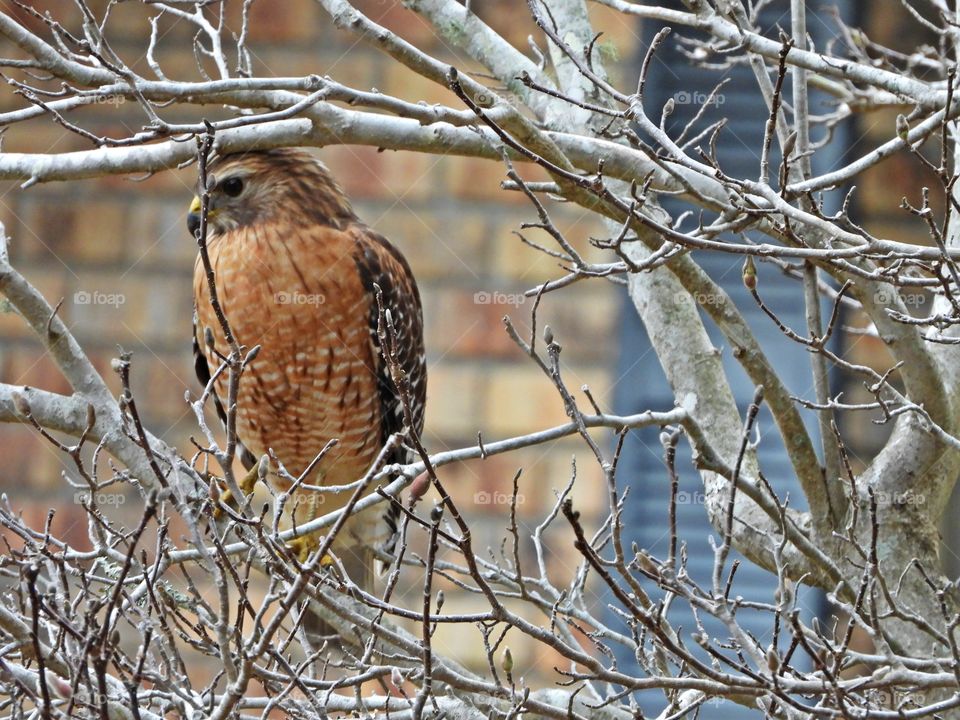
<point x="877" y="206"/>
<point x="117" y="251"/>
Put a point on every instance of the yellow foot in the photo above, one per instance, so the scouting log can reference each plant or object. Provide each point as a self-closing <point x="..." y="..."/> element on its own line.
<point x="247" y="483"/>
<point x="305" y="545"/>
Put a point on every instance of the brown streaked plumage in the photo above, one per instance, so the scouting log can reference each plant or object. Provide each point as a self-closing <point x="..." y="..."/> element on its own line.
<point x="295" y="271"/>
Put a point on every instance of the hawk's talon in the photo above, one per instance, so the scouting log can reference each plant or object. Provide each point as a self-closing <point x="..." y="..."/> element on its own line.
<point x="305" y="545"/>
<point x="247" y="483"/>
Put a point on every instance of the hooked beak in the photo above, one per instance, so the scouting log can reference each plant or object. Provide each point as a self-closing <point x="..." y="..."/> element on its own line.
<point x="193" y="216"/>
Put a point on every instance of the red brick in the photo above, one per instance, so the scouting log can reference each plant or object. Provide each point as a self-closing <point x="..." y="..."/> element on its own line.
<point x="51" y="283"/>
<point x="880" y="196"/>
<point x="33" y="367"/>
<point x="517" y="260"/>
<point x="584" y="319"/>
<point x="41" y="135"/>
<point x="440" y="243"/>
<point x="125" y="21"/>
<point x="898" y="229"/>
<point x="620" y="39"/>
<point x="35" y="466"/>
<point x="100" y="305"/>
<point x="69" y="521"/>
<point x="485" y="487"/>
<point x="399" y="178"/>
<point x="465" y="324"/>
<point x="281" y="22"/>
<point x="454" y="400"/>
<point x="514" y="23"/>
<point x="166" y="297"/>
<point x="102" y="360"/>
<point x="10" y="210"/>
<point x="99" y="231"/>
<point x="161" y="238"/>
<point x="406" y="23"/>
<point x="473" y="178"/>
<point x="521" y="400"/>
<point x="413" y="87"/>
<point x="866" y="349"/>
<point x="359" y="68"/>
<point x="890" y="25"/>
<point x="91" y="231"/>
<point x="522" y="263"/>
<point x="159" y="383"/>
<point x="359" y="170"/>
<point x="67" y="15"/>
<point x="413" y="176"/>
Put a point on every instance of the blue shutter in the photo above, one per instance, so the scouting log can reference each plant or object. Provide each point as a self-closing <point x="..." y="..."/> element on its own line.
<point x="642" y="384"/>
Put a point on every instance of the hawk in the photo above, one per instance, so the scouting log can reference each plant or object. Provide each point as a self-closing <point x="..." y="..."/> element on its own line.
<point x="295" y="272"/>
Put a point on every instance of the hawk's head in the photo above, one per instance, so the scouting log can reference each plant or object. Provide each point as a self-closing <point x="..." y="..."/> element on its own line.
<point x="286" y="184"/>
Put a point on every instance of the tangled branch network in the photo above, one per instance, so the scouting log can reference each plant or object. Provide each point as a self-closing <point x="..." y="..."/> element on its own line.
<point x="130" y="624"/>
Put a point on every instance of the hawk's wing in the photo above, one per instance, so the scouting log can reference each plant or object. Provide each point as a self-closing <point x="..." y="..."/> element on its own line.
<point x="202" y="369"/>
<point x="380" y="263"/>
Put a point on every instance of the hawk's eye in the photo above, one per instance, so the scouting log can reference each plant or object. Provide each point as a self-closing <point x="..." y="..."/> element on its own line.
<point x="232" y="186"/>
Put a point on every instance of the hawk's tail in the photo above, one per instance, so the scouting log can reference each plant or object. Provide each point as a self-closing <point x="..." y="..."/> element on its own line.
<point x="391" y="518"/>
<point x="363" y="565"/>
<point x="358" y="561"/>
